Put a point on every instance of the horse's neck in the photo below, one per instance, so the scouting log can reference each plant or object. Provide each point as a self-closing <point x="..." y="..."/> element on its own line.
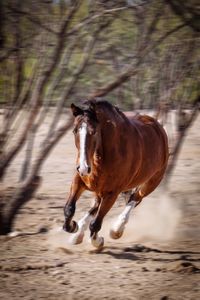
<point x="98" y="153"/>
<point x="108" y="118"/>
<point x="109" y="129"/>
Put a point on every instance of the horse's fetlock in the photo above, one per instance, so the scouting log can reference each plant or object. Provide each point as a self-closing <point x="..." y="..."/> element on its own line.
<point x="95" y="226"/>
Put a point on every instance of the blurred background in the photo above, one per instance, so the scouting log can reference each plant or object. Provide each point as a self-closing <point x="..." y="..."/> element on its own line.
<point x="141" y="55"/>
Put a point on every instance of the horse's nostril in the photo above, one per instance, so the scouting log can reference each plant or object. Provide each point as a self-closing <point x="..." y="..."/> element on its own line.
<point x="78" y="168"/>
<point x="89" y="170"/>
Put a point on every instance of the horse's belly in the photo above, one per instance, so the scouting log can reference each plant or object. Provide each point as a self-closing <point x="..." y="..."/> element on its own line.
<point x="124" y="174"/>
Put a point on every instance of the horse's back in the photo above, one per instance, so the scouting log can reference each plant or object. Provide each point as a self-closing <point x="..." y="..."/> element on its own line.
<point x="146" y="123"/>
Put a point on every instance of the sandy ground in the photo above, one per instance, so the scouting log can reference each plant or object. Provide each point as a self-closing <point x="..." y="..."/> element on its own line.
<point x="157" y="258"/>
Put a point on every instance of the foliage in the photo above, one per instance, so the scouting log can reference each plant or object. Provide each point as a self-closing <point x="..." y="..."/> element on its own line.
<point x="38" y="21"/>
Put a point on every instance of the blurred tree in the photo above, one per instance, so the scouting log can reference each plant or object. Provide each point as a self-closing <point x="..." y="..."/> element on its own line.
<point x="2" y="22"/>
<point x="189" y="12"/>
<point x="35" y="108"/>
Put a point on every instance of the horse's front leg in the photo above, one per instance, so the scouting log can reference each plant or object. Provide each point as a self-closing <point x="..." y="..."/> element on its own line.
<point x="83" y="223"/>
<point x="76" y="190"/>
<point x="107" y="202"/>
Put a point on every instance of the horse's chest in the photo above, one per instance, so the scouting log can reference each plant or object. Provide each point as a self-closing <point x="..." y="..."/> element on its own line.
<point x="101" y="182"/>
<point x="91" y="182"/>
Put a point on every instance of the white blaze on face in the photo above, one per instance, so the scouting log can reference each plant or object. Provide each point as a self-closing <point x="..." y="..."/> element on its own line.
<point x="83" y="159"/>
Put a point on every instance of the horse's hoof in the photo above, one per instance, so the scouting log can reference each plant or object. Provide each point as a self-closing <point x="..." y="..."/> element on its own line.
<point x="115" y="234"/>
<point x="71" y="228"/>
<point x="98" y="243"/>
<point x="76" y="239"/>
<point x="65" y="227"/>
<point x="74" y="227"/>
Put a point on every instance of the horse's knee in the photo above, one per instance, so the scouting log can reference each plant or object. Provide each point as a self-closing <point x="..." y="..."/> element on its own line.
<point x="95" y="226"/>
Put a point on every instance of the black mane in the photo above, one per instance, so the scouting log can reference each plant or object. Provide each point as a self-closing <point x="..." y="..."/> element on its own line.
<point x="105" y="104"/>
<point x="113" y="109"/>
<point x="95" y="104"/>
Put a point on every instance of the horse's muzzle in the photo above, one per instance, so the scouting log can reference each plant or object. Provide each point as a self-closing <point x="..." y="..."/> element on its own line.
<point x="84" y="171"/>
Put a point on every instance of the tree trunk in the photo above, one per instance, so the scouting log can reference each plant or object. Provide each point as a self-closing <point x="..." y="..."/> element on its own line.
<point x="182" y="134"/>
<point x="9" y="210"/>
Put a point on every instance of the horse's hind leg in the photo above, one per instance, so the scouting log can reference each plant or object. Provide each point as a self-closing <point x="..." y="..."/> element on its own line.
<point x="135" y="198"/>
<point x="83" y="223"/>
<point x="118" y="228"/>
<point x="148" y="187"/>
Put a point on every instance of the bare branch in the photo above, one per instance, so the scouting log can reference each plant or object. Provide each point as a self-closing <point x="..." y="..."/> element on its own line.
<point x="32" y="18"/>
<point x="181" y="11"/>
<point x="12" y="111"/>
<point x="180" y="139"/>
<point x="76" y="74"/>
<point x="7" y="54"/>
<point x="49" y="146"/>
<point x="37" y="96"/>
<point x="90" y="19"/>
<point x="133" y="69"/>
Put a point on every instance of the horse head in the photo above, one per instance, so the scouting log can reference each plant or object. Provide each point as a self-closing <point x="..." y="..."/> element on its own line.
<point x="86" y="135"/>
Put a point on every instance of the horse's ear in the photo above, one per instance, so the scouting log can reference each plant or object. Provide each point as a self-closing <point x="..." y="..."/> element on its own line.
<point x="92" y="105"/>
<point x="76" y="110"/>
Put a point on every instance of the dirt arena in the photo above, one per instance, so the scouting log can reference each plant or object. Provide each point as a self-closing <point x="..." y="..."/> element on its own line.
<point x="157" y="258"/>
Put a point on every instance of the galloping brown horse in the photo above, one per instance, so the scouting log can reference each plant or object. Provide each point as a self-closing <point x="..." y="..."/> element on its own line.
<point x="116" y="153"/>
